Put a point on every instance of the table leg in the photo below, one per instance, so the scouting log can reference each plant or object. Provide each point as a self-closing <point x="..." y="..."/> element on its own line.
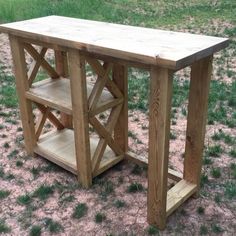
<point x="22" y="86"/>
<point x="159" y="130"/>
<point x="62" y="69"/>
<point x="80" y="114"/>
<point x="196" y="121"/>
<point x="120" y="77"/>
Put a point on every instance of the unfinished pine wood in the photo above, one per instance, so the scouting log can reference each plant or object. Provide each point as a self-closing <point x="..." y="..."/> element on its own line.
<point x="38" y="57"/>
<point x="178" y="194"/>
<point x="150" y="46"/>
<point x="80" y="114"/>
<point x="62" y="69"/>
<point x="120" y="78"/>
<point x="41" y="121"/>
<point x="56" y="94"/>
<point x="58" y="147"/>
<point x="35" y="66"/>
<point x="140" y="160"/>
<point x="196" y="119"/>
<point x="50" y="116"/>
<point x="159" y="129"/>
<point x="22" y="86"/>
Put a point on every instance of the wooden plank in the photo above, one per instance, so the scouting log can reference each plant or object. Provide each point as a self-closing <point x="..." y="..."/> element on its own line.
<point x="39" y="125"/>
<point x="196" y="120"/>
<point x="120" y="78"/>
<point x="56" y="93"/>
<point x="37" y="57"/>
<point x="62" y="69"/>
<point x="97" y="157"/>
<point x="22" y="86"/>
<point x="80" y="114"/>
<point x="136" y="44"/>
<point x="58" y="147"/>
<point x="35" y="66"/>
<point x="159" y="129"/>
<point x="179" y="194"/>
<point x="50" y="116"/>
<point x="140" y="160"/>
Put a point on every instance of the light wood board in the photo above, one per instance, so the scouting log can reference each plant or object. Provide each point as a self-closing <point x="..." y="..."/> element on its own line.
<point x="56" y="93"/>
<point x="174" y="50"/>
<point x="59" y="148"/>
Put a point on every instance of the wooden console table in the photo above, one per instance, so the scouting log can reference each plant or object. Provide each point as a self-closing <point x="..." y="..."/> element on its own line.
<point x="109" y="49"/>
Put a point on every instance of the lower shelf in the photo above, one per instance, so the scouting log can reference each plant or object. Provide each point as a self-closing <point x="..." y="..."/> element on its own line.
<point x="59" y="148"/>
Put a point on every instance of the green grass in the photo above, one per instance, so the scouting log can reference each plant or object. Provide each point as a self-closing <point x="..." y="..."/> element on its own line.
<point x="215" y="172"/>
<point x="214" y="151"/>
<point x="52" y="226"/>
<point x="4" y="228"/>
<point x="203" y="230"/>
<point x="119" y="203"/>
<point x="4" y="194"/>
<point x="80" y="210"/>
<point x="152" y="230"/>
<point x="43" y="192"/>
<point x="100" y="217"/>
<point x="35" y="230"/>
<point x="135" y="187"/>
<point x="230" y="189"/>
<point x="24" y="199"/>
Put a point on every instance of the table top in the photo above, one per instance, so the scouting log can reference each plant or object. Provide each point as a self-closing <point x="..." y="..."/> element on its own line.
<point x="169" y="49"/>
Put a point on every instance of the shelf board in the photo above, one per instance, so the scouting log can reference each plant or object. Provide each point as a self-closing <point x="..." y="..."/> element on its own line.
<point x="55" y="93"/>
<point x="59" y="148"/>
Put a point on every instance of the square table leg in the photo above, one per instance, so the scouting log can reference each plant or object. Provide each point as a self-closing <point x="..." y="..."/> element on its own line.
<point x="159" y="130"/>
<point x="80" y="115"/>
<point x="120" y="77"/>
<point x="196" y="120"/>
<point x="22" y="85"/>
<point x="61" y="63"/>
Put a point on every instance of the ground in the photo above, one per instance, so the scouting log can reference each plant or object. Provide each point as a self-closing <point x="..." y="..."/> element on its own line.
<point x="37" y="196"/>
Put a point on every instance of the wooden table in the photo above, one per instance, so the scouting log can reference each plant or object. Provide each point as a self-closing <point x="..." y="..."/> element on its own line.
<point x="109" y="49"/>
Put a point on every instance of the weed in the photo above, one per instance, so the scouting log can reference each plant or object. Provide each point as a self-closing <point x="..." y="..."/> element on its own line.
<point x="135" y="187"/>
<point x="2" y="173"/>
<point x="107" y="189"/>
<point x="100" y="217"/>
<point x="232" y="153"/>
<point x="80" y="210"/>
<point x="217" y="198"/>
<point x="230" y="189"/>
<point x="152" y="230"/>
<point x="13" y="154"/>
<point x="216" y="228"/>
<point x="204" y="180"/>
<point x="207" y="161"/>
<point x="233" y="170"/>
<point x="172" y="136"/>
<point x="4" y="194"/>
<point x="3" y="227"/>
<point x="203" y="230"/>
<point x="35" y="171"/>
<point x="2" y="126"/>
<point x="65" y="199"/>
<point x="43" y="192"/>
<point x="19" y="163"/>
<point x="215" y="172"/>
<point x="6" y="145"/>
<point x="137" y="170"/>
<point x="214" y="151"/>
<point x="200" y="210"/>
<point x="24" y="199"/>
<point x="35" y="230"/>
<point x="119" y="203"/>
<point x="53" y="226"/>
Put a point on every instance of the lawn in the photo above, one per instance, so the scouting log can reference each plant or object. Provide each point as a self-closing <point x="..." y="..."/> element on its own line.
<point x="37" y="197"/>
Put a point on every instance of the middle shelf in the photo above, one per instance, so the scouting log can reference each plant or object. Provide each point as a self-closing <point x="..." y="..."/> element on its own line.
<point x="56" y="93"/>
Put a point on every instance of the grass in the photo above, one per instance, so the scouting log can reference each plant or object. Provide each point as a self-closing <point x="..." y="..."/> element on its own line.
<point x="214" y="151"/>
<point x="100" y="217"/>
<point x="4" y="194"/>
<point x="119" y="204"/>
<point x="135" y="187"/>
<point x="230" y="189"/>
<point x="152" y="230"/>
<point x="4" y="228"/>
<point x="36" y="230"/>
<point x="203" y="230"/>
<point x="24" y="199"/>
<point x="43" y="192"/>
<point x="80" y="210"/>
<point x="215" y="172"/>
<point x="52" y="226"/>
